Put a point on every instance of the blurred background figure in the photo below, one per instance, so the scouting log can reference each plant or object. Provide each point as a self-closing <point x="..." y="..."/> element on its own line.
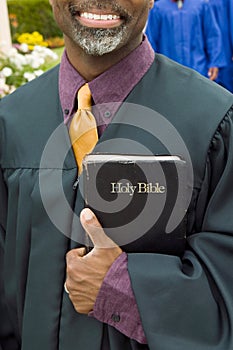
<point x="223" y="11"/>
<point x="187" y="32"/>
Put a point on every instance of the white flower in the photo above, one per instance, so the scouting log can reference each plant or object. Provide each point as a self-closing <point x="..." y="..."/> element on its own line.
<point x="23" y="48"/>
<point x="38" y="48"/>
<point x="44" y="52"/>
<point x="21" y="60"/>
<point x="7" y="72"/>
<point x="5" y="88"/>
<point x="49" y="53"/>
<point x="29" y="76"/>
<point x="38" y="72"/>
<point x="2" y="83"/>
<point x="37" y="62"/>
<point x="18" y="60"/>
<point x="53" y="55"/>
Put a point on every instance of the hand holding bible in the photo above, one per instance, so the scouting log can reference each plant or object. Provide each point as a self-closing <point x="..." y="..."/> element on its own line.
<point x="86" y="272"/>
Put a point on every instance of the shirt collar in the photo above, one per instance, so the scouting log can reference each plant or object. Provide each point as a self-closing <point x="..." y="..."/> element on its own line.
<point x="111" y="86"/>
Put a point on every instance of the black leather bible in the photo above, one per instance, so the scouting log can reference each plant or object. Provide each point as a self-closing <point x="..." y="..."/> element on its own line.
<point x="140" y="201"/>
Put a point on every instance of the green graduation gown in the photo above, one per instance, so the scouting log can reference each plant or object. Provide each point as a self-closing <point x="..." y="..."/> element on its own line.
<point x="184" y="302"/>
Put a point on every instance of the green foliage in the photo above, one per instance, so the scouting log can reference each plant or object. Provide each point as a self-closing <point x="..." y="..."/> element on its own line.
<point x="32" y="15"/>
<point x="18" y="66"/>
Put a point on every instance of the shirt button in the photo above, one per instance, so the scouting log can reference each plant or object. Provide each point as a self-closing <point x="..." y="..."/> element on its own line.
<point x="107" y="114"/>
<point x="116" y="318"/>
<point x="66" y="111"/>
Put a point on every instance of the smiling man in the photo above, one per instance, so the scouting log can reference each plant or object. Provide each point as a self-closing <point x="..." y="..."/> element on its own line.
<point x="93" y="29"/>
<point x="54" y="293"/>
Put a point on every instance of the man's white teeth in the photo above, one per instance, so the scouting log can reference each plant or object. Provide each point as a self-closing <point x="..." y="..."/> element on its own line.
<point x="98" y="17"/>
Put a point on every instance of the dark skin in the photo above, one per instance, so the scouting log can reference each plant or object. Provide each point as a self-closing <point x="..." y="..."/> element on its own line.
<point x="213" y="73"/>
<point x="92" y="66"/>
<point x="86" y="272"/>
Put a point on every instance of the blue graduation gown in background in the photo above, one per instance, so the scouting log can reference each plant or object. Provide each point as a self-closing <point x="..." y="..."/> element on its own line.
<point x="223" y="10"/>
<point x="189" y="35"/>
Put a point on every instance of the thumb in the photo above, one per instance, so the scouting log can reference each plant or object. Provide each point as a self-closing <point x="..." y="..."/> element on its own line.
<point x="80" y="252"/>
<point x="94" y="230"/>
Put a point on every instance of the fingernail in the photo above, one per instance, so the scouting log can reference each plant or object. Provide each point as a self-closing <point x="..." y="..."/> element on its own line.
<point x="87" y="213"/>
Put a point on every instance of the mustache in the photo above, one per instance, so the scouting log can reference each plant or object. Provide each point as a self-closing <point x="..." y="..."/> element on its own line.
<point x="86" y="5"/>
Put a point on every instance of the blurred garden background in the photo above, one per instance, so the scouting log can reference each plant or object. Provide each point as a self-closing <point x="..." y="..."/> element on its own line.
<point x="36" y="43"/>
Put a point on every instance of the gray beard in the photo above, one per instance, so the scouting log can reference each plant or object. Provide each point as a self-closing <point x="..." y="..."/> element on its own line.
<point x="99" y="41"/>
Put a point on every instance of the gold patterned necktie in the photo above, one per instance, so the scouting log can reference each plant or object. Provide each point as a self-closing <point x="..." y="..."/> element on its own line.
<point x="83" y="129"/>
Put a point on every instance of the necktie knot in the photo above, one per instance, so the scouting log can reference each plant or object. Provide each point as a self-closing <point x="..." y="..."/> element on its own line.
<point x="84" y="97"/>
<point x="83" y="129"/>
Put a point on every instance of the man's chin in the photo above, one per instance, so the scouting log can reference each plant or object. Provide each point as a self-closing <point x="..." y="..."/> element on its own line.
<point x="96" y="50"/>
<point x="98" y="42"/>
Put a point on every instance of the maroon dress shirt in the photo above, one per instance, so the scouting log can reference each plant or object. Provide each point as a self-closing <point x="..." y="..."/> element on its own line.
<point x="115" y="303"/>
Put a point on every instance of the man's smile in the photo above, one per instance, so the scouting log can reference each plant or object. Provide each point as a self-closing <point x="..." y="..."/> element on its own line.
<point x="99" y="19"/>
<point x="99" y="27"/>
